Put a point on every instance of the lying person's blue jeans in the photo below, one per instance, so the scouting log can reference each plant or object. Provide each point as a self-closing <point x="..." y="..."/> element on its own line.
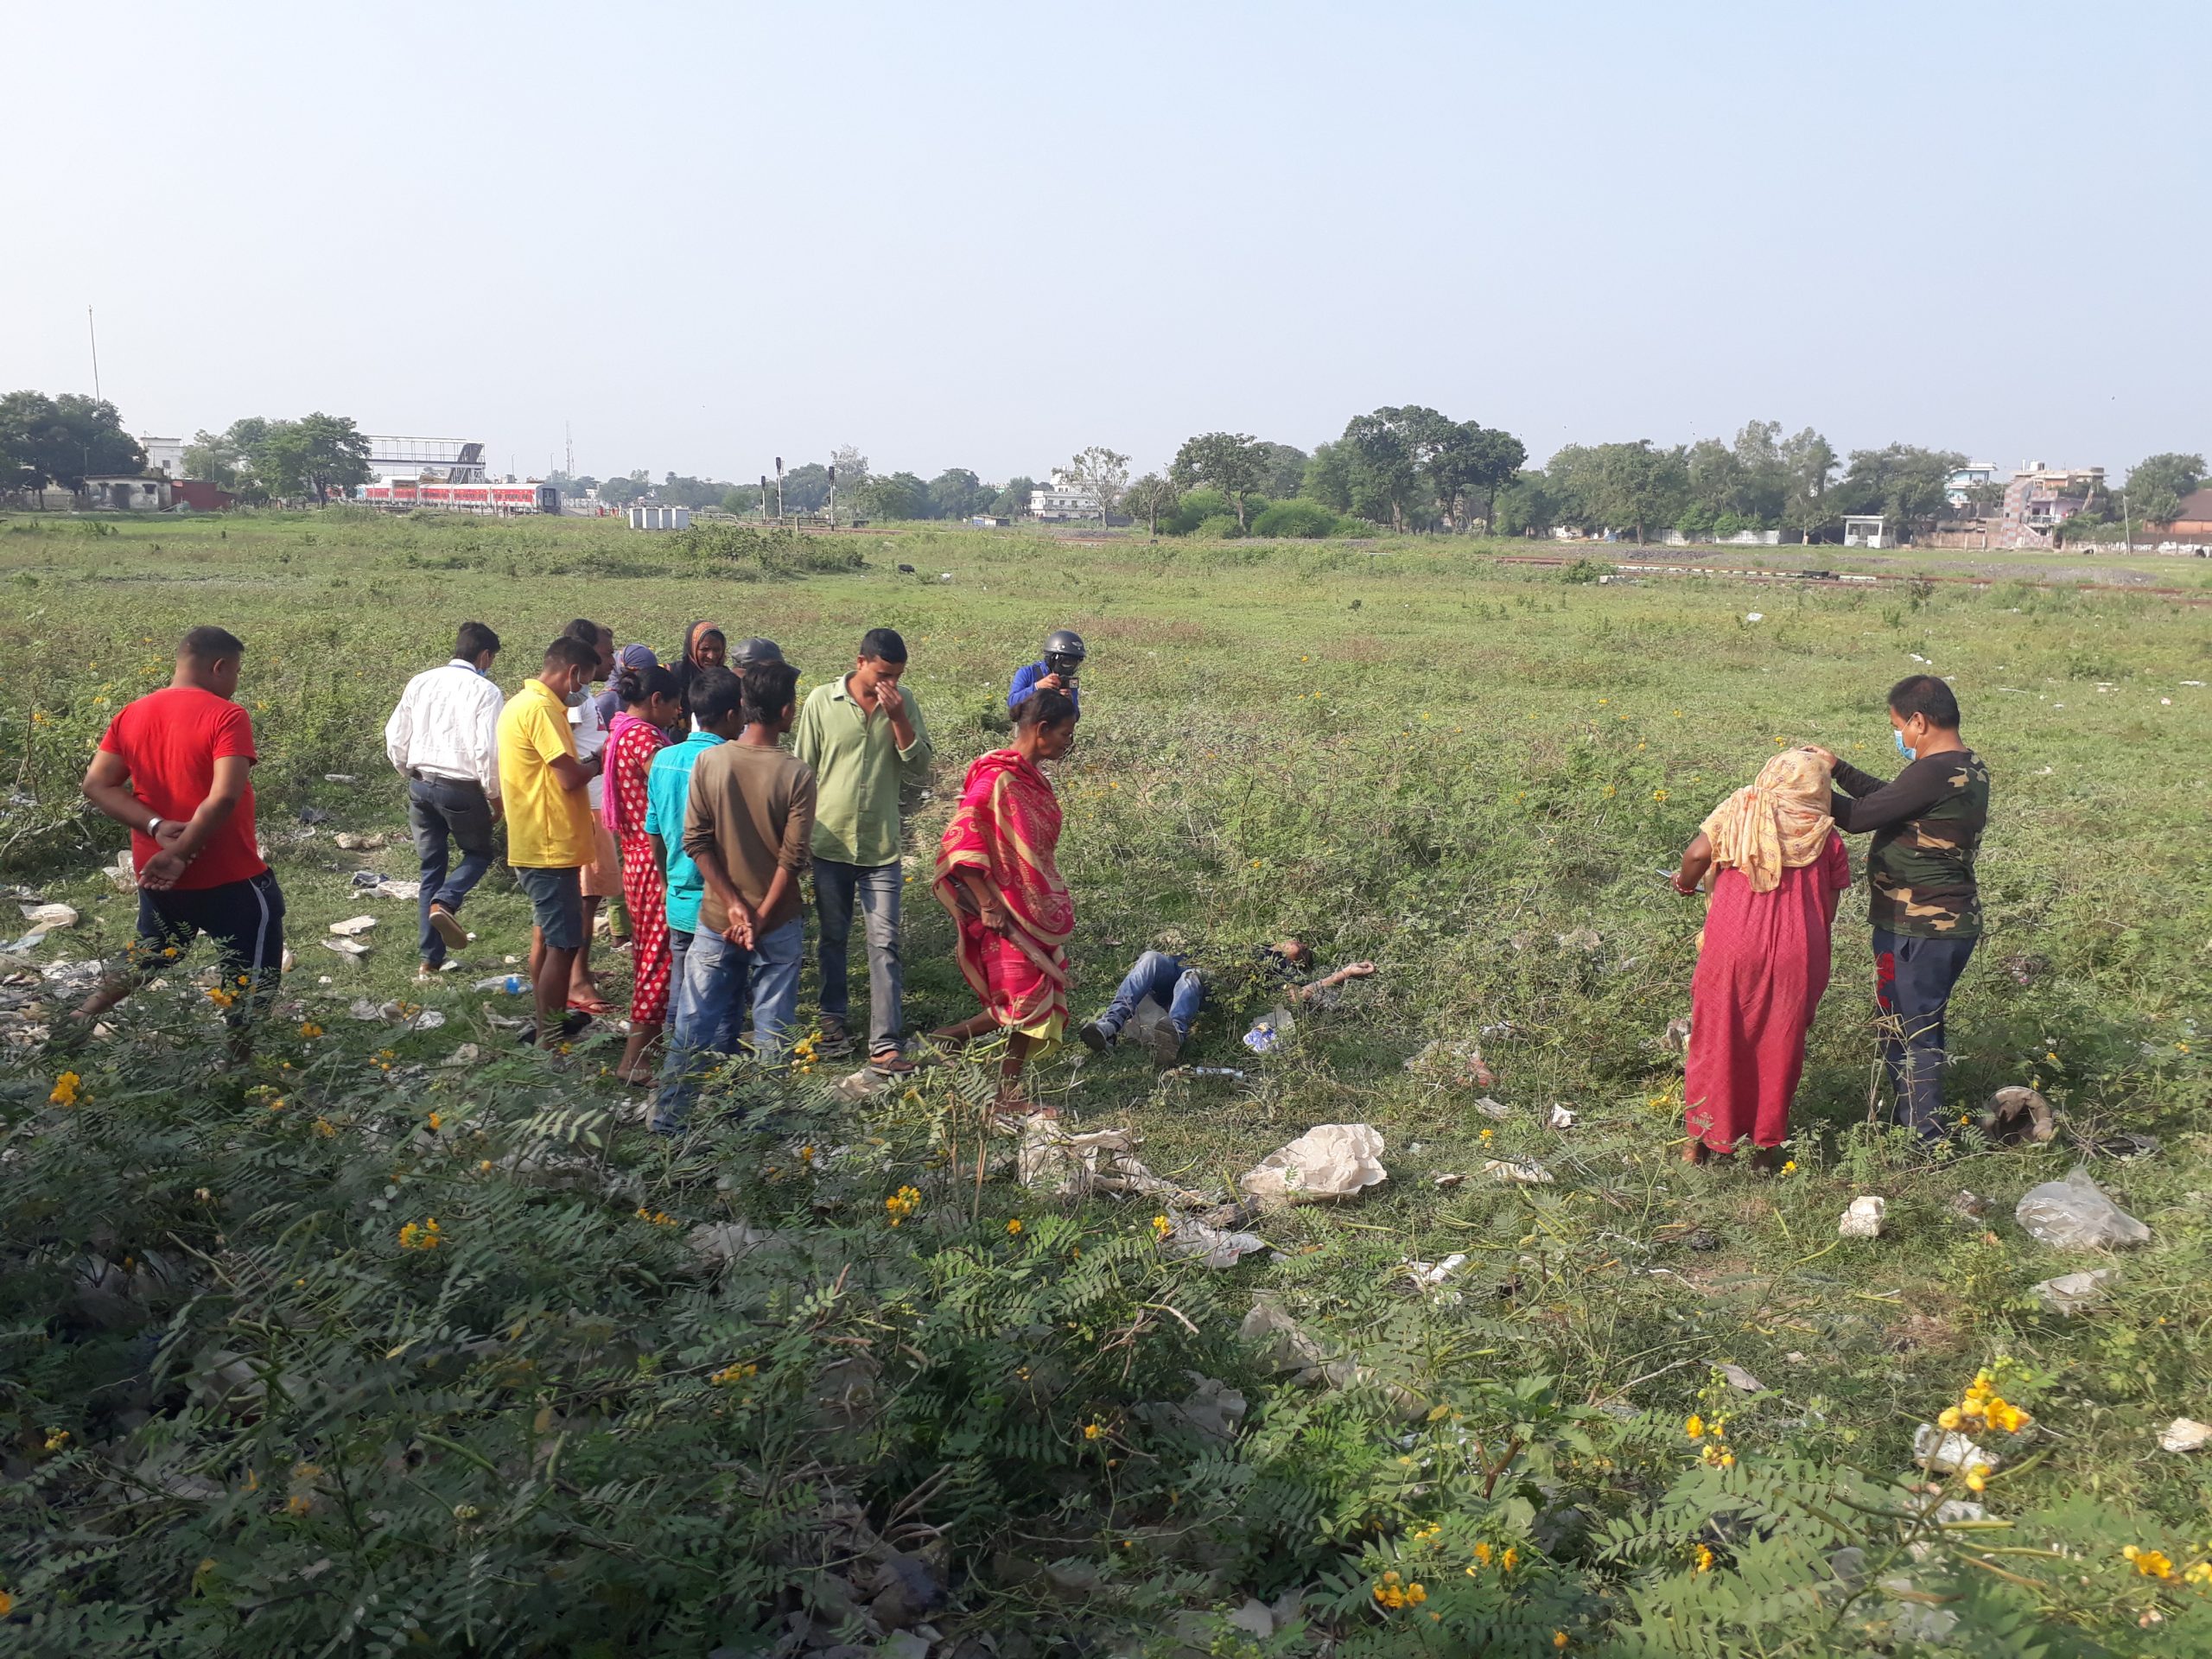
<point x="716" y="973"/>
<point x="1169" y="981"/>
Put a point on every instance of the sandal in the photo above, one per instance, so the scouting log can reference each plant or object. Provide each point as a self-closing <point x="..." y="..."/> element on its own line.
<point x="595" y="1006"/>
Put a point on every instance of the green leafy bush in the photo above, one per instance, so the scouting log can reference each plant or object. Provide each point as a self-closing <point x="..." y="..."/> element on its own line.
<point x="1221" y="527"/>
<point x="1307" y="519"/>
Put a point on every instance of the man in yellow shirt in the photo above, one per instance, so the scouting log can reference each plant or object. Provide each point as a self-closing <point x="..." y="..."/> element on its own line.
<point x="549" y="834"/>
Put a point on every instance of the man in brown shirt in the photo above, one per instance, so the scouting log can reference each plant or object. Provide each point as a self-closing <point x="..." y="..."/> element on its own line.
<point x="748" y="825"/>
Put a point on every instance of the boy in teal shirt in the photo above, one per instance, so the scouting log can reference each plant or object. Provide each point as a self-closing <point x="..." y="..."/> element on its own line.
<point x="714" y="704"/>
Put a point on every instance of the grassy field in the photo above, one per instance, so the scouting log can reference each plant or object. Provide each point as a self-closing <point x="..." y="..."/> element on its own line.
<point x="1470" y="771"/>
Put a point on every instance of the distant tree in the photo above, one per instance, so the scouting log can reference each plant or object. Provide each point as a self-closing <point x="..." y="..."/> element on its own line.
<point x="567" y="483"/>
<point x="1521" y="504"/>
<point x="1808" y="461"/>
<point x="1908" y="485"/>
<point x="63" y="440"/>
<point x="740" y="499"/>
<point x="1150" y="497"/>
<point x="633" y="486"/>
<point x="1465" y="462"/>
<point x="806" y="489"/>
<point x="1633" y="485"/>
<point x="956" y="493"/>
<point x="1104" y="472"/>
<point x="1013" y="501"/>
<point x="2157" y="485"/>
<point x="895" y="496"/>
<point x="318" y="454"/>
<point x="1282" y="470"/>
<point x="851" y="465"/>
<point x="1230" y="461"/>
<point x="1380" y="466"/>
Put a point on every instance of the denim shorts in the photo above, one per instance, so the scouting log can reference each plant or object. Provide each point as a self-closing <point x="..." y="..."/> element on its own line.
<point x="557" y="905"/>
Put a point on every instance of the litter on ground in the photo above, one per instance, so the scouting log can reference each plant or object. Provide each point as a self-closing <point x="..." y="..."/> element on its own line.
<point x="1331" y="1160"/>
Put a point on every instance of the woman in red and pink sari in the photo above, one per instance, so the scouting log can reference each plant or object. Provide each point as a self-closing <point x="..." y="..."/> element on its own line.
<point x="997" y="873"/>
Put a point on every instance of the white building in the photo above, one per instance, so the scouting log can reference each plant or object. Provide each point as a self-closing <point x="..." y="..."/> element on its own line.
<point x="647" y="517"/>
<point x="1064" y="499"/>
<point x="163" y="454"/>
<point x="1963" y="480"/>
<point x="1864" y="529"/>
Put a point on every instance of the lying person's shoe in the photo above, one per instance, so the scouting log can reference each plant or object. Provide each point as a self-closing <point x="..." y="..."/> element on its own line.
<point x="570" y="1025"/>
<point x="1096" y="1037"/>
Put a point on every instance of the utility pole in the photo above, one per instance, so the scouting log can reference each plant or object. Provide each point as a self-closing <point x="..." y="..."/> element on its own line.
<point x="2127" y="522"/>
<point x="95" y="335"/>
<point x="779" y="490"/>
<point x="568" y="434"/>
<point x="764" y="496"/>
<point x="833" y="497"/>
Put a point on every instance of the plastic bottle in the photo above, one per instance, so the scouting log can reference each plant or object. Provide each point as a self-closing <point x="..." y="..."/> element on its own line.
<point x="512" y="985"/>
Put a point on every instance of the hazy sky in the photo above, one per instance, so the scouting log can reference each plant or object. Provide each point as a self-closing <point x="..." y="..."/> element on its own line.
<point x="986" y="235"/>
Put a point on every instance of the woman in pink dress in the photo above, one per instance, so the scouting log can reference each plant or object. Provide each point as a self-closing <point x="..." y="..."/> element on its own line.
<point x="650" y="703"/>
<point x="1778" y="867"/>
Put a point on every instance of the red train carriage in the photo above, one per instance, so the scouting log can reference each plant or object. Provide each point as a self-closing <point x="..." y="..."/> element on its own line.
<point x="404" y="493"/>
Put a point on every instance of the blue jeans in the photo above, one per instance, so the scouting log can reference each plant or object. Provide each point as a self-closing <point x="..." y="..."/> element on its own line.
<point x="716" y="975"/>
<point x="1913" y="979"/>
<point x="836" y="886"/>
<point x="1169" y="981"/>
<point x="440" y="809"/>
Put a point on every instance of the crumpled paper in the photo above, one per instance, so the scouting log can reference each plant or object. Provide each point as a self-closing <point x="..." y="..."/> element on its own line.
<point x="1071" y="1166"/>
<point x="1214" y="1248"/>
<point x="1330" y="1160"/>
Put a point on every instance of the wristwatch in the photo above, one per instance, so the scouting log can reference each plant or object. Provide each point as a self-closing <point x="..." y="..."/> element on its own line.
<point x="154" y="823"/>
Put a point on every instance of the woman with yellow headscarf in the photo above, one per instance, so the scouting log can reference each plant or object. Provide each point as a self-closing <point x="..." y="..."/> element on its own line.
<point x="1778" y="867"/>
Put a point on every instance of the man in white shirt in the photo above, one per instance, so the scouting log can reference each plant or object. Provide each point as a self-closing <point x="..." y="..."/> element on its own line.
<point x="444" y="740"/>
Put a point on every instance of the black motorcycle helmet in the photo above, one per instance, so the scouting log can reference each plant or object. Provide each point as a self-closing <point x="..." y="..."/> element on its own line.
<point x="756" y="650"/>
<point x="1063" y="652"/>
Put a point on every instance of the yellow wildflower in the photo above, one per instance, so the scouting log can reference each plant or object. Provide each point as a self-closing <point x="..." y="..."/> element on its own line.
<point x="309" y="1028"/>
<point x="733" y="1373"/>
<point x="437" y="1122"/>
<point x="1014" y="1227"/>
<point x="1559" y="1637"/>
<point x="2151" y="1563"/>
<point x="1704" y="1558"/>
<point x="1694" y="1427"/>
<point x="1509" y="1560"/>
<point x="64" y="1089"/>
<point x="1092" y="1431"/>
<point x="1978" y="1477"/>
<point x="424" y="1236"/>
<point x="56" y="1439"/>
<point x="1162" y="1227"/>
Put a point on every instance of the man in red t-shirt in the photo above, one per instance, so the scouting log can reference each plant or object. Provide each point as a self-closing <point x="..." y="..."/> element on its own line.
<point x="174" y="766"/>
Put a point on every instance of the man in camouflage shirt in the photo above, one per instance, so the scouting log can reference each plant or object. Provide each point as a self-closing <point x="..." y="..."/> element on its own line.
<point x="1927" y="825"/>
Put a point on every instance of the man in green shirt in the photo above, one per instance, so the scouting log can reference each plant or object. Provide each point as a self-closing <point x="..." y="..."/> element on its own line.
<point x="863" y="737"/>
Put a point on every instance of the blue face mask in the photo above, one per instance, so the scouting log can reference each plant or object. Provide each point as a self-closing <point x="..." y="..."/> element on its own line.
<point x="1905" y="748"/>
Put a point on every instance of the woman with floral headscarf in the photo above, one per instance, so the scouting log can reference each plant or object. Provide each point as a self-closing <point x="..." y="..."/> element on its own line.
<point x="1778" y="868"/>
<point x="705" y="645"/>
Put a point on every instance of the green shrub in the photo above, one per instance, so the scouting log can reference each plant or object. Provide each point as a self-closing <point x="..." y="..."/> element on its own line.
<point x="1586" y="569"/>
<point x="1221" y="527"/>
<point x="1193" y="510"/>
<point x="1309" y="520"/>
